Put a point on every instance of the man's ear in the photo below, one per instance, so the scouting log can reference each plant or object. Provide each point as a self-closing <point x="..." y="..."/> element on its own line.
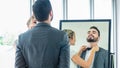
<point x="51" y="13"/>
<point x="98" y="38"/>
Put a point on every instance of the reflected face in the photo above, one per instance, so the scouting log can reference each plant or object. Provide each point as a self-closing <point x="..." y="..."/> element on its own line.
<point x="72" y="40"/>
<point x="92" y="35"/>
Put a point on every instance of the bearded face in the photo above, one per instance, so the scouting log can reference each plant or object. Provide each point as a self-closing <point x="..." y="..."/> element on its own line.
<point x="92" y="36"/>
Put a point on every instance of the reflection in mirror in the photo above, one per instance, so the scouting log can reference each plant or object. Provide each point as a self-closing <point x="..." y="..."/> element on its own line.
<point x="93" y="36"/>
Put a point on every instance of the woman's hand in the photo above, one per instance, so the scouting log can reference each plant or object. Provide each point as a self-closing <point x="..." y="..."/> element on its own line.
<point x="95" y="48"/>
<point x="83" y="48"/>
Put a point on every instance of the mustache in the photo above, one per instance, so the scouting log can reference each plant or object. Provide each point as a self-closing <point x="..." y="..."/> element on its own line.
<point x="90" y="36"/>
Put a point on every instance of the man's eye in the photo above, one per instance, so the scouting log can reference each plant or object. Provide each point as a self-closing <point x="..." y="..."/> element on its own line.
<point x="88" y="32"/>
<point x="94" y="32"/>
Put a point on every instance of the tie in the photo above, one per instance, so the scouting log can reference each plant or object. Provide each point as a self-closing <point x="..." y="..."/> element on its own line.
<point x="89" y="48"/>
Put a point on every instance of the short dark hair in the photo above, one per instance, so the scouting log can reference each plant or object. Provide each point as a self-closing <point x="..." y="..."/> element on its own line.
<point x="94" y="27"/>
<point x="41" y="9"/>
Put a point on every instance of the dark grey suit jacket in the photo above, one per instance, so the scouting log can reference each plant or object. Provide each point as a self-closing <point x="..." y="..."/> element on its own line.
<point x="42" y="47"/>
<point x="100" y="60"/>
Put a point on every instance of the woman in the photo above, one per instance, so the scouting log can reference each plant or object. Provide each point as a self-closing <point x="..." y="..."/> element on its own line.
<point x="72" y="39"/>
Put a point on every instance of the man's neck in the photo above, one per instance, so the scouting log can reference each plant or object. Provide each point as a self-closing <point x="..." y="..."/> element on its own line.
<point x="92" y="44"/>
<point x="46" y="21"/>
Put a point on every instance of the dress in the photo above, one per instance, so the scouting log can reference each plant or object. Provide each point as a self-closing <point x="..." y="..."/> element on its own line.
<point x="72" y="52"/>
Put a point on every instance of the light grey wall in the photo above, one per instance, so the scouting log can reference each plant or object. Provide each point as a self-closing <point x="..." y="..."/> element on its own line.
<point x="118" y="33"/>
<point x="81" y="29"/>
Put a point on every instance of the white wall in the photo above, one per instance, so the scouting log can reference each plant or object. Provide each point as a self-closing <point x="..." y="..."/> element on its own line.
<point x="118" y="33"/>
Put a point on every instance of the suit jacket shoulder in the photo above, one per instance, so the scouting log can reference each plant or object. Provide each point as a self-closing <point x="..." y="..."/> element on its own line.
<point x="43" y="46"/>
<point x="101" y="59"/>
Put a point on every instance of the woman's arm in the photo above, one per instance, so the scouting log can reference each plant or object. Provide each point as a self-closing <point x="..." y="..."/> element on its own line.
<point x="86" y="64"/>
<point x="82" y="48"/>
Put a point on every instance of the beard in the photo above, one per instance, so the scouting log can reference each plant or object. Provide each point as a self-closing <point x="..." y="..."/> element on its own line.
<point x="92" y="39"/>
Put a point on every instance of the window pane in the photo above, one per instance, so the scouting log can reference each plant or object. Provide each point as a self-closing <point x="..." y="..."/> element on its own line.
<point x="78" y="9"/>
<point x="13" y="16"/>
<point x="57" y="12"/>
<point x="103" y="9"/>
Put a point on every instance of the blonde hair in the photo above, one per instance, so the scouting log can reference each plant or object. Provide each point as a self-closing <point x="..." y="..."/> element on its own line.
<point x="69" y="32"/>
<point x="30" y="19"/>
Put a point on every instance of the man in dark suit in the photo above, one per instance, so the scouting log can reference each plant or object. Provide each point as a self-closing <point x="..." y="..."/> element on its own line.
<point x="43" y="46"/>
<point x="101" y="56"/>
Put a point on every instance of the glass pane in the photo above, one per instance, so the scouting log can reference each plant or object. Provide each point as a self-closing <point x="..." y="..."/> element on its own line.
<point x="13" y="16"/>
<point x="78" y="9"/>
<point x="57" y="12"/>
<point x="103" y="9"/>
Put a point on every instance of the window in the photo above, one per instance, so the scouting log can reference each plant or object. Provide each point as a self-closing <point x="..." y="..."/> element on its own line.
<point x="78" y="9"/>
<point x="57" y="12"/>
<point x="103" y="9"/>
<point x="14" y="15"/>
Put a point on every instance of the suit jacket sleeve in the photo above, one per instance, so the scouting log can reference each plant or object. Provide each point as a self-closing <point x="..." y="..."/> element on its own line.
<point x="64" y="53"/>
<point x="19" y="59"/>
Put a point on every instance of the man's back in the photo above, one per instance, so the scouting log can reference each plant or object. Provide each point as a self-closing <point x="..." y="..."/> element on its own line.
<point x="43" y="47"/>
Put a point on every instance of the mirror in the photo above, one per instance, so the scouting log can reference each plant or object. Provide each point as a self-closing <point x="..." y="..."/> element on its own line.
<point x="81" y="28"/>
